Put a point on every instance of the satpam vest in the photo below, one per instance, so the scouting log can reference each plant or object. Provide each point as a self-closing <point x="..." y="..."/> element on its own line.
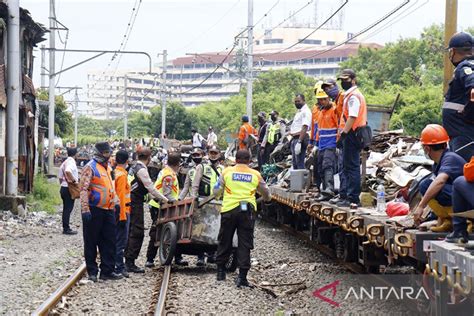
<point x="241" y="183"/>
<point x="101" y="189"/>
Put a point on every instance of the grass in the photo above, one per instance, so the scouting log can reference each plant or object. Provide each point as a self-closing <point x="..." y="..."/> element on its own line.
<point x="45" y="196"/>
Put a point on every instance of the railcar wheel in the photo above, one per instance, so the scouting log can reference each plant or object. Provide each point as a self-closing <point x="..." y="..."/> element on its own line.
<point x="231" y="264"/>
<point x="168" y="241"/>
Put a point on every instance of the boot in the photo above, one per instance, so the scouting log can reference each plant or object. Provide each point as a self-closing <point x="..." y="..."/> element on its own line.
<point x="460" y="237"/>
<point x="444" y="220"/>
<point x="242" y="279"/>
<point x="328" y="192"/>
<point x="132" y="267"/>
<point x="220" y="273"/>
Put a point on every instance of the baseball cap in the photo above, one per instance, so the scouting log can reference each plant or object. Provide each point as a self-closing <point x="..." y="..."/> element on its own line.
<point x="346" y="74"/>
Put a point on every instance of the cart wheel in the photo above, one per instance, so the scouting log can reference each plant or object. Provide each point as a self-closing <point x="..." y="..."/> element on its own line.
<point x="168" y="241"/>
<point x="231" y="264"/>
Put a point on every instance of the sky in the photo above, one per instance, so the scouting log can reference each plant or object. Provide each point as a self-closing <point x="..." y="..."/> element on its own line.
<point x="190" y="26"/>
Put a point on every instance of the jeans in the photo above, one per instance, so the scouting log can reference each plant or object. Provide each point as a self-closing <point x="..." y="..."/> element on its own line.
<point x="342" y="179"/>
<point x="351" y="168"/>
<point x="461" y="141"/>
<point x="463" y="200"/>
<point x="298" y="160"/>
<point x="68" y="206"/>
<point x="100" y="232"/>
<point x="122" y="238"/>
<point x="443" y="197"/>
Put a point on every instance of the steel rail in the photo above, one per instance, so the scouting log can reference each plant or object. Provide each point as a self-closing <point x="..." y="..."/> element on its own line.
<point x="51" y="301"/>
<point x="160" y="305"/>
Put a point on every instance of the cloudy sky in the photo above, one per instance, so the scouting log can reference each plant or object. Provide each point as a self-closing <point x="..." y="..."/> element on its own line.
<point x="187" y="26"/>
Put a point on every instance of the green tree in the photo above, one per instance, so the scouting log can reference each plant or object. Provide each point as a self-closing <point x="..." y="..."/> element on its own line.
<point x="178" y="121"/>
<point x="138" y="125"/>
<point x="63" y="123"/>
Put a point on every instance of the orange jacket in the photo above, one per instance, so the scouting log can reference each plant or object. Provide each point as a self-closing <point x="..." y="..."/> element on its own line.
<point x="314" y="119"/>
<point x="327" y="128"/>
<point x="123" y="191"/>
<point x="244" y="133"/>
<point x="339" y="104"/>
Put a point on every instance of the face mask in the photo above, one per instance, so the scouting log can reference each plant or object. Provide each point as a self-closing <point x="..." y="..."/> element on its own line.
<point x="213" y="161"/>
<point x="298" y="105"/>
<point x="333" y="92"/>
<point x="261" y="121"/>
<point x="451" y="57"/>
<point x="197" y="160"/>
<point x="274" y="118"/>
<point x="346" y="85"/>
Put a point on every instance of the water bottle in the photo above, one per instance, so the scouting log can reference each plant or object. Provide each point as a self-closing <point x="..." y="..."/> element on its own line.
<point x="381" y="205"/>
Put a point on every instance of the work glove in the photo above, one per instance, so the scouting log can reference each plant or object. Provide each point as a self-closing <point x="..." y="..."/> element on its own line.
<point x="341" y="140"/>
<point x="298" y="148"/>
<point x="86" y="217"/>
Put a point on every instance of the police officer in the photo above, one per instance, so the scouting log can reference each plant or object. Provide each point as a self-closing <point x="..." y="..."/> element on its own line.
<point x="458" y="108"/>
<point x="275" y="132"/>
<point x="239" y="184"/>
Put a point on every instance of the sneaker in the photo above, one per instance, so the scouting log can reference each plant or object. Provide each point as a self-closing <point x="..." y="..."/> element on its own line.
<point x="242" y="282"/>
<point x="181" y="262"/>
<point x="149" y="264"/>
<point x="200" y="262"/>
<point x="125" y="273"/>
<point x="69" y="232"/>
<point x="132" y="267"/>
<point x="343" y="203"/>
<point x="93" y="278"/>
<point x="336" y="199"/>
<point x="458" y="237"/>
<point x="111" y="276"/>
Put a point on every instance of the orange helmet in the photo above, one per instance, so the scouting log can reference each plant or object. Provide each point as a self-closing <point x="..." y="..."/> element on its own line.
<point x="469" y="170"/>
<point x="434" y="134"/>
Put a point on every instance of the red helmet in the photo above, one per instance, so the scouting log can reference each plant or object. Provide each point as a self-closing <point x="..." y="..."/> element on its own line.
<point x="434" y="134"/>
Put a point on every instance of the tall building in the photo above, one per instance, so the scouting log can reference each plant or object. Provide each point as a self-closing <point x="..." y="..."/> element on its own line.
<point x="198" y="78"/>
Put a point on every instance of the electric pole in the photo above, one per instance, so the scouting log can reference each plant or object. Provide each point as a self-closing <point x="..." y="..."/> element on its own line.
<point x="52" y="33"/>
<point x="13" y="96"/>
<point x="163" y="96"/>
<point x="450" y="25"/>
<point x="249" y="60"/>
<point x="75" y="116"/>
<point x="43" y="67"/>
<point x="125" y="109"/>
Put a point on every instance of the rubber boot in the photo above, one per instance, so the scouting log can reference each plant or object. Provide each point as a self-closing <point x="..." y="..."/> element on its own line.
<point x="220" y="273"/>
<point x="328" y="192"/>
<point x="242" y="279"/>
<point x="444" y="220"/>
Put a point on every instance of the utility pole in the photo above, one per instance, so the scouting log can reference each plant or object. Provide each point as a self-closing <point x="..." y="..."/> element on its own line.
<point x="75" y="116"/>
<point x="107" y="109"/>
<point x="250" y="60"/>
<point x="125" y="108"/>
<point x="52" y="37"/>
<point x="43" y="67"/>
<point x="163" y="96"/>
<point x="13" y="96"/>
<point x="450" y="25"/>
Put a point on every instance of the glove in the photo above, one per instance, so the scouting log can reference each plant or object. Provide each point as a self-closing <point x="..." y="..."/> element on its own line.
<point x="86" y="217"/>
<point x="298" y="148"/>
<point x="341" y="140"/>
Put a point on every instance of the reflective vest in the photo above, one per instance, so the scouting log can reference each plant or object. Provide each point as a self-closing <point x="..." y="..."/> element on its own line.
<point x="101" y="188"/>
<point x="273" y="132"/>
<point x="123" y="191"/>
<point x="327" y="128"/>
<point x="361" y="119"/>
<point x="212" y="176"/>
<point x="240" y="184"/>
<point x="167" y="172"/>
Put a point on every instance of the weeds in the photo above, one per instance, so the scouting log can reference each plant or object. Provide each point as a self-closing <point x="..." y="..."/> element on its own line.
<point x="45" y="196"/>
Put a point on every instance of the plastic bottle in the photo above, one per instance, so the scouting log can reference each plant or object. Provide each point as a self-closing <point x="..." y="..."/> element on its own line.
<point x="381" y="204"/>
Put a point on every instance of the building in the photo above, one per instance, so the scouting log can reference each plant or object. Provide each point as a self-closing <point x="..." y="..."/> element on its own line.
<point x="198" y="78"/>
<point x="31" y="33"/>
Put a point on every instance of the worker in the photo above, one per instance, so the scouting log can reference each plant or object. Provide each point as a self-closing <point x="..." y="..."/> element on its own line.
<point x="332" y="90"/>
<point x="299" y="131"/>
<point x="354" y="115"/>
<point x="211" y="137"/>
<point x="314" y="130"/>
<point x="122" y="216"/>
<point x="167" y="184"/>
<point x="463" y="200"/>
<point x="68" y="176"/>
<point x="326" y="137"/>
<point x="98" y="202"/>
<point x="262" y="130"/>
<point x="448" y="166"/>
<point x="212" y="171"/>
<point x="275" y="133"/>
<point x="141" y="185"/>
<point x="238" y="184"/>
<point x="458" y="108"/>
<point x="196" y="156"/>
<point x="247" y="134"/>
<point x="198" y="140"/>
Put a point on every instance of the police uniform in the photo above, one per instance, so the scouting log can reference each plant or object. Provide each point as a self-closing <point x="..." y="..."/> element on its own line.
<point x="239" y="185"/>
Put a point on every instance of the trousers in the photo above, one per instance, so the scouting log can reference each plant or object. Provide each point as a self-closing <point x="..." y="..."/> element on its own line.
<point x="298" y="160"/>
<point x="100" y="232"/>
<point x="463" y="200"/>
<point x="458" y="142"/>
<point x="443" y="197"/>
<point x="137" y="231"/>
<point x="244" y="223"/>
<point x="351" y="168"/>
<point x="152" y="250"/>
<point x="68" y="206"/>
<point x="122" y="239"/>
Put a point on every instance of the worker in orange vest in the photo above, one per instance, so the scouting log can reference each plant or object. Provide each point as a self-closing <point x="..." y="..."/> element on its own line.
<point x="247" y="134"/>
<point x="314" y="130"/>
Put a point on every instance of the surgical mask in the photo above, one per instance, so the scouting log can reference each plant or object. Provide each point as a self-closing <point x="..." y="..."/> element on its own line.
<point x="333" y="92"/>
<point x="298" y="105"/>
<point x="197" y="160"/>
<point x="214" y="161"/>
<point x="451" y="57"/>
<point x="346" y="85"/>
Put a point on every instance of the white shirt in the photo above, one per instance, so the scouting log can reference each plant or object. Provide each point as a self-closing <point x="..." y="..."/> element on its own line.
<point x="68" y="165"/>
<point x="353" y="103"/>
<point x="211" y="139"/>
<point x="197" y="140"/>
<point x="302" y="117"/>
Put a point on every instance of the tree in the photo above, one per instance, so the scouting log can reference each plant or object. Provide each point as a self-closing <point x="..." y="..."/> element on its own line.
<point x="63" y="123"/>
<point x="178" y="121"/>
<point x="138" y="125"/>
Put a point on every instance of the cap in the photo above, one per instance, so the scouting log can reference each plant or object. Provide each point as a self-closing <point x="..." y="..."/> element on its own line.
<point x="214" y="149"/>
<point x="245" y="118"/>
<point x="461" y="40"/>
<point x="193" y="130"/>
<point x="210" y="127"/>
<point x="328" y="82"/>
<point x="346" y="74"/>
<point x="103" y="146"/>
<point x="274" y="112"/>
<point x="196" y="151"/>
<point x="262" y="114"/>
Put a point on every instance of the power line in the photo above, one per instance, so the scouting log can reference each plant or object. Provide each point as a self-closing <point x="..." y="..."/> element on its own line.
<point x="266" y="14"/>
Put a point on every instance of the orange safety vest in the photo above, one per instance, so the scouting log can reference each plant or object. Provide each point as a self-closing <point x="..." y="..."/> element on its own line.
<point x="101" y="188"/>
<point x="123" y="191"/>
<point x="339" y="104"/>
<point x="361" y="119"/>
<point x="327" y="128"/>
